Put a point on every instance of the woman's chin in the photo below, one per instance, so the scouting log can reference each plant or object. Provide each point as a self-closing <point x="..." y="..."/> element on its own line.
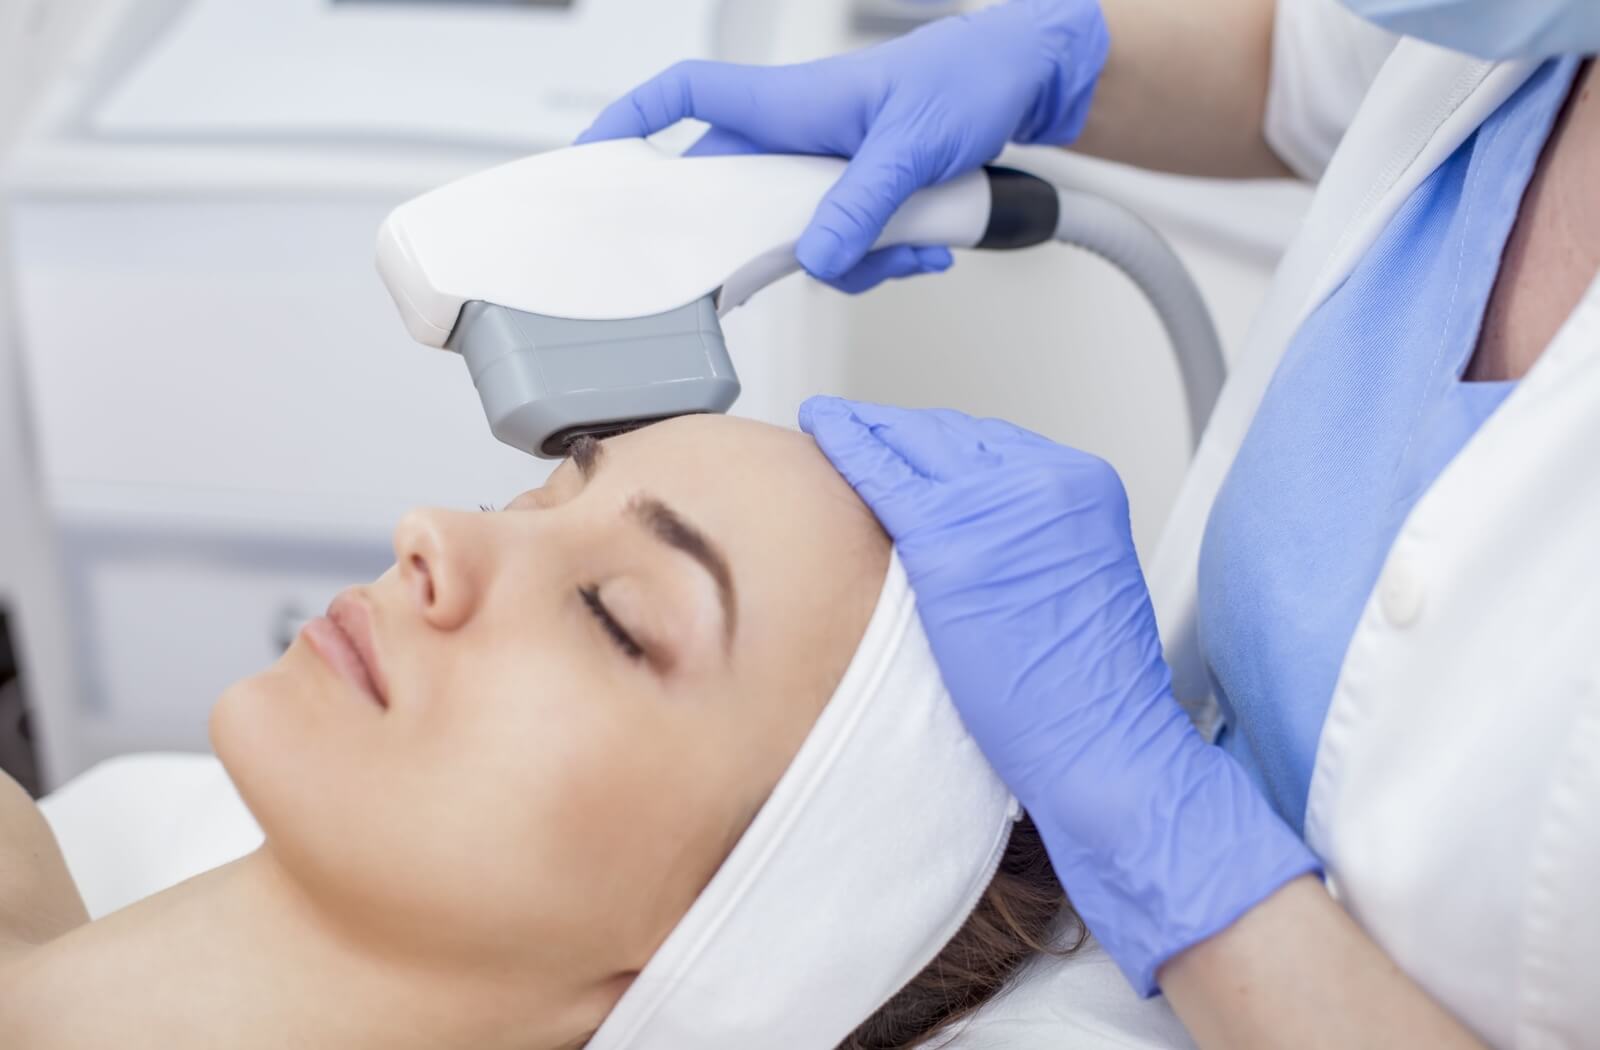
<point x="279" y="742"/>
<point x="244" y="712"/>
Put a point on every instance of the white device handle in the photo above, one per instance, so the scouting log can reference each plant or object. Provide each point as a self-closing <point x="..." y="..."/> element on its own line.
<point x="620" y="230"/>
<point x="954" y="214"/>
<point x="944" y="215"/>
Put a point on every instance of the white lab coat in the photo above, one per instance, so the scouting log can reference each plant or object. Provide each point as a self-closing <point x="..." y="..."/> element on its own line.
<point x="1456" y="795"/>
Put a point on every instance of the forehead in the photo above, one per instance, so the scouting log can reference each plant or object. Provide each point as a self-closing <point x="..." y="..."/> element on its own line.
<point x="799" y="541"/>
<point x="736" y="479"/>
<point x="728" y="437"/>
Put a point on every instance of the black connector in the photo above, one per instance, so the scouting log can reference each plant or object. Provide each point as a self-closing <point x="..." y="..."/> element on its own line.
<point x="1024" y="210"/>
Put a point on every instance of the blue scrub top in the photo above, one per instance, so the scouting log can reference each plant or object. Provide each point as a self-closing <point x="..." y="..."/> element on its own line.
<point x="1366" y="409"/>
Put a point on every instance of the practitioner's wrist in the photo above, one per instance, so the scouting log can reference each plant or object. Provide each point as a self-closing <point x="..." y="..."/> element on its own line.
<point x="1156" y="867"/>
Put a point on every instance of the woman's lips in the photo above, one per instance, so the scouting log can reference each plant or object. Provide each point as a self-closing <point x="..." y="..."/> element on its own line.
<point x="343" y="637"/>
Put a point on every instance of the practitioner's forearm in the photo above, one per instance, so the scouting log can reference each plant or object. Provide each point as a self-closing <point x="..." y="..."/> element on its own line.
<point x="1297" y="971"/>
<point x="1185" y="88"/>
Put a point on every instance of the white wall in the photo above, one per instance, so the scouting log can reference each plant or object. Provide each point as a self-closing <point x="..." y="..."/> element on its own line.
<point x="34" y="35"/>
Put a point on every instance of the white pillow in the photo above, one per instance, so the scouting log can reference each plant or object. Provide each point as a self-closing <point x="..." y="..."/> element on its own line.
<point x="136" y="825"/>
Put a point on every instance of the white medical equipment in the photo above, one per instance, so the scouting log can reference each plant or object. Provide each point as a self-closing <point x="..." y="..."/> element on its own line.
<point x="584" y="287"/>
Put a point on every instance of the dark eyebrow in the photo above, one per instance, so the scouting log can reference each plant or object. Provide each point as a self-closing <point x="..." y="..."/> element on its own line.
<point x="664" y="523"/>
<point x="585" y="454"/>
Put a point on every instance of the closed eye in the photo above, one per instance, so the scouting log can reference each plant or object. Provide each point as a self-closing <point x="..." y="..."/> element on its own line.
<point x="623" y="640"/>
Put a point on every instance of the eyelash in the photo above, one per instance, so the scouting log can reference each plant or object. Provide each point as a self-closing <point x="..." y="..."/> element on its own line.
<point x="591" y="598"/>
<point x="630" y="648"/>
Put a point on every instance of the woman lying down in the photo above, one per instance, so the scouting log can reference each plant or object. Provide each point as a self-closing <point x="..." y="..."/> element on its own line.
<point x="656" y="757"/>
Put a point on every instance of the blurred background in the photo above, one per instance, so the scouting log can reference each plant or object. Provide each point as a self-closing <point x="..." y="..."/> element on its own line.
<point x="211" y="417"/>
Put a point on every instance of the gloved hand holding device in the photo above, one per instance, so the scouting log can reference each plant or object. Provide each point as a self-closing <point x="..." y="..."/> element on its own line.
<point x="913" y="112"/>
<point x="1021" y="555"/>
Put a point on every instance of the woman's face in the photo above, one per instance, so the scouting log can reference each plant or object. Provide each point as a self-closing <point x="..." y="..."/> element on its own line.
<point x="576" y="703"/>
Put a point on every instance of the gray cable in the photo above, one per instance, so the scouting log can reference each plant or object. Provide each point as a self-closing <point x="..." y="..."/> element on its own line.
<point x="1133" y="246"/>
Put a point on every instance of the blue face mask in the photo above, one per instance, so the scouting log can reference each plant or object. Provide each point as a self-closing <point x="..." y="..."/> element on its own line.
<point x="1496" y="29"/>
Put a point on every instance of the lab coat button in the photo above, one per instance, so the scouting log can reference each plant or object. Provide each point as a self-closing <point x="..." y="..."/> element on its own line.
<point x="1401" y="595"/>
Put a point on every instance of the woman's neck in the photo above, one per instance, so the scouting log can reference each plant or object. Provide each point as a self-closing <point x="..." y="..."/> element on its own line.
<point x="238" y="958"/>
<point x="1553" y="253"/>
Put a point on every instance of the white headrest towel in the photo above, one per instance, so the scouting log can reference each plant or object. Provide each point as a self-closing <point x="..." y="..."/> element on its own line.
<point x="869" y="856"/>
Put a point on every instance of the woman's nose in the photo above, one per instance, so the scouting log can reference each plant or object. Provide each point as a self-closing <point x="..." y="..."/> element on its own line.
<point x="438" y="565"/>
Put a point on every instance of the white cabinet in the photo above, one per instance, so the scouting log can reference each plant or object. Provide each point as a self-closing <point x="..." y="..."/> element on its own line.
<point x="168" y="620"/>
<point x="239" y="359"/>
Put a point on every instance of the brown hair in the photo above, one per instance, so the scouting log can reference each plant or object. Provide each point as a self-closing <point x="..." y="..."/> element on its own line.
<point x="1016" y="919"/>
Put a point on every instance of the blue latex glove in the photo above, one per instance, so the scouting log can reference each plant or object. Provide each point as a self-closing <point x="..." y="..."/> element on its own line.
<point x="913" y="112"/>
<point x="1021" y="556"/>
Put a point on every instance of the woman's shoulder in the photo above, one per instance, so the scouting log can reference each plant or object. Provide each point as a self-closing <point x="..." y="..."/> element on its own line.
<point x="135" y="825"/>
<point x="38" y="899"/>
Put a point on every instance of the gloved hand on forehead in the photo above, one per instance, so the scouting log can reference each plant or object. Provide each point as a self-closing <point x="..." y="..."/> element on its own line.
<point x="1021" y="555"/>
<point x="911" y="113"/>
